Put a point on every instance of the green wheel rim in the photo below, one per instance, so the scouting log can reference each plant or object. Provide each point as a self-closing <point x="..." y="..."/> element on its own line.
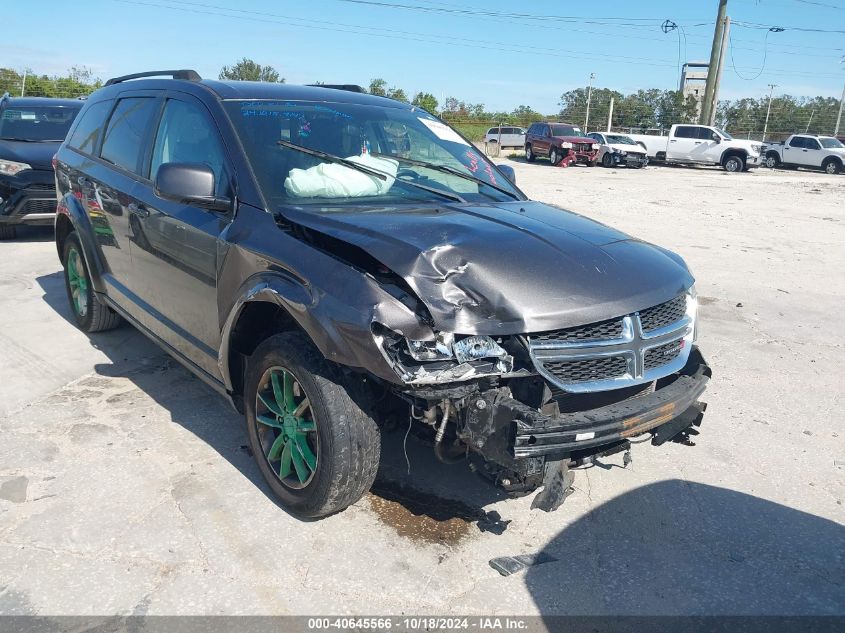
<point x="286" y="428"/>
<point x="78" y="282"/>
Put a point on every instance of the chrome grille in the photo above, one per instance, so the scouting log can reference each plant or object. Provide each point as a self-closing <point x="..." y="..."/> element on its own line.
<point x="634" y="349"/>
<point x="593" y="331"/>
<point x="663" y="314"/>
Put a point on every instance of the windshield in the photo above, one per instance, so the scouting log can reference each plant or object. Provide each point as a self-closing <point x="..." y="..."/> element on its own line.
<point x="828" y="142"/>
<point x="37" y="123"/>
<point x="620" y="139"/>
<point x="727" y="136"/>
<point x="400" y="155"/>
<point x="566" y="130"/>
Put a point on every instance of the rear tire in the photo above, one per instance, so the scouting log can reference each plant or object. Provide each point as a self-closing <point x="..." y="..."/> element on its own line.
<point x="529" y="154"/>
<point x="317" y="449"/>
<point x="8" y="231"/>
<point x="832" y="166"/>
<point x="91" y="314"/>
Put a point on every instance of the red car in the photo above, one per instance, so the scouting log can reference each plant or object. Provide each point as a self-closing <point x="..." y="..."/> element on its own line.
<point x="563" y="143"/>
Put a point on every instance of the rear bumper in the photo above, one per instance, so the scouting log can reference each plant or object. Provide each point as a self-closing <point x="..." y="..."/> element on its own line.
<point x="28" y="198"/>
<point x="673" y="406"/>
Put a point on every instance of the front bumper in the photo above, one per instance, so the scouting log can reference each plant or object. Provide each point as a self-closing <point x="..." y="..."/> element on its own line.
<point x="523" y="432"/>
<point x="754" y="161"/>
<point x="28" y="198"/>
<point x="630" y="160"/>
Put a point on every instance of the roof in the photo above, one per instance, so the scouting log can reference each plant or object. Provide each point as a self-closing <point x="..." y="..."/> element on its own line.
<point x="44" y="101"/>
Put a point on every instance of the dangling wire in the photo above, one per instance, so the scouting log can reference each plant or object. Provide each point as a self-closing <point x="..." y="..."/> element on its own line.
<point x="774" y="29"/>
<point x="667" y="27"/>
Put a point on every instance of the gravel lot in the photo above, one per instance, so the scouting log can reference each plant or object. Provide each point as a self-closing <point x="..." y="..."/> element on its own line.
<point x="125" y="486"/>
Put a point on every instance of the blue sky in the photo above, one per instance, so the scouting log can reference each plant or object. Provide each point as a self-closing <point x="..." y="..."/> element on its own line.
<point x="492" y="59"/>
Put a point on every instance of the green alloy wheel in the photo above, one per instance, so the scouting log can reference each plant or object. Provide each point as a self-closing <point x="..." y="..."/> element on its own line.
<point x="90" y="313"/>
<point x="287" y="431"/>
<point x="315" y="445"/>
<point x="78" y="282"/>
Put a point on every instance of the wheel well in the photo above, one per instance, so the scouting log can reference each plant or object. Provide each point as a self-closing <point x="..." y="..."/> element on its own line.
<point x="734" y="152"/>
<point x="258" y="321"/>
<point x="832" y="159"/>
<point x="64" y="227"/>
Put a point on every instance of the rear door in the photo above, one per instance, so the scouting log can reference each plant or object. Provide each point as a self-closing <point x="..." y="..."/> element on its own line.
<point x="682" y="142"/>
<point x="176" y="259"/>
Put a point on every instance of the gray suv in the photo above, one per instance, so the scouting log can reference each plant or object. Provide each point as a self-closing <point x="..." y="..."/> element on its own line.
<point x="331" y="261"/>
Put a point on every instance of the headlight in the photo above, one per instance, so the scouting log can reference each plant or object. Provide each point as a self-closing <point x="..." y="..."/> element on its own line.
<point x="11" y="168"/>
<point x="438" y="349"/>
<point x="756" y="148"/>
<point x="477" y="347"/>
<point x="566" y="145"/>
<point x="595" y="145"/>
<point x="623" y="153"/>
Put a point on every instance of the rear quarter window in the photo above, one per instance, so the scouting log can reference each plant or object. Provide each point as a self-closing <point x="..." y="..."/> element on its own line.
<point x="86" y="135"/>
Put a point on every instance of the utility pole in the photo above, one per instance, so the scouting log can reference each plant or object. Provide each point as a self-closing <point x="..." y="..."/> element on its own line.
<point x="726" y="30"/>
<point x="23" y="83"/>
<point x="768" y="111"/>
<point x="609" y="116"/>
<point x="812" y="114"/>
<point x="715" y="55"/>
<point x="839" y="118"/>
<point x="589" y="96"/>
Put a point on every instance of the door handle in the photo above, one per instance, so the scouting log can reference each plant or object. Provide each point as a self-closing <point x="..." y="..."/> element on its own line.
<point x="140" y="211"/>
<point x="803" y="150"/>
<point x="673" y="141"/>
<point x="698" y="142"/>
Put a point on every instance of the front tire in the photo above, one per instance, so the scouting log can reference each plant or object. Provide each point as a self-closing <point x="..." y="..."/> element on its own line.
<point x="733" y="164"/>
<point x="832" y="166"/>
<point x="607" y="160"/>
<point x="317" y="449"/>
<point x="91" y="314"/>
<point x="529" y="154"/>
<point x="554" y="158"/>
<point x="772" y="160"/>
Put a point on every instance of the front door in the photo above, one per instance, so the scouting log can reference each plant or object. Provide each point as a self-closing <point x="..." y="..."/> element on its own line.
<point x="683" y="143"/>
<point x="175" y="250"/>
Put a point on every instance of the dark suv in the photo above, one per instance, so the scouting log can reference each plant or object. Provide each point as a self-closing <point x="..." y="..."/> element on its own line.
<point x="31" y="129"/>
<point x="334" y="261"/>
<point x="563" y="143"/>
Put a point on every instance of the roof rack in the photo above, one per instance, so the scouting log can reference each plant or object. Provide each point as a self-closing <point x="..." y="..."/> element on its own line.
<point x="347" y="87"/>
<point x="188" y="75"/>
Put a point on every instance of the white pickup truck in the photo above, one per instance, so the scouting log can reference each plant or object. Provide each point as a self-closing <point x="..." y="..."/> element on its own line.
<point x="703" y="145"/>
<point x="807" y="150"/>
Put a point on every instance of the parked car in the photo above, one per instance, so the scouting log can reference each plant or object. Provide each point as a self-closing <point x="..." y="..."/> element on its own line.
<point x="562" y="143"/>
<point x="510" y="137"/>
<point x="270" y="239"/>
<point x="619" y="149"/>
<point x="807" y="150"/>
<point x="31" y="129"/>
<point x="703" y="145"/>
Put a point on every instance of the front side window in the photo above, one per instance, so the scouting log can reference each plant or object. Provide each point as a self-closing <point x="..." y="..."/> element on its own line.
<point x="186" y="135"/>
<point x="123" y="143"/>
<point x="724" y="134"/>
<point x="811" y="143"/>
<point x="398" y="154"/>
<point x="36" y="123"/>
<point x="86" y="135"/>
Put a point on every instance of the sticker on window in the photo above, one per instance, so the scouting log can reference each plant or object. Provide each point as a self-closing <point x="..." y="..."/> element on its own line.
<point x="442" y="131"/>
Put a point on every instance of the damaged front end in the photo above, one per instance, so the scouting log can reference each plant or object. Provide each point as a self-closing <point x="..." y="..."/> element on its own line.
<point x="524" y="409"/>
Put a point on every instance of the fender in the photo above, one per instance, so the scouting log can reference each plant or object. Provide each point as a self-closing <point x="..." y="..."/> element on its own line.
<point x="733" y="151"/>
<point x="71" y="209"/>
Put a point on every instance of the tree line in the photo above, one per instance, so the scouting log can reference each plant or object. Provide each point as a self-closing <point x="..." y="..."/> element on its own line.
<point x="643" y="109"/>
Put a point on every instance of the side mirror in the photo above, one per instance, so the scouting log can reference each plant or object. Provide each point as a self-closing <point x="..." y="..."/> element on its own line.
<point x="716" y="137"/>
<point x="509" y="173"/>
<point x="189" y="183"/>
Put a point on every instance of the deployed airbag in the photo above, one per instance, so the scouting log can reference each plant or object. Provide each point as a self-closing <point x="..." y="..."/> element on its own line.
<point x="333" y="180"/>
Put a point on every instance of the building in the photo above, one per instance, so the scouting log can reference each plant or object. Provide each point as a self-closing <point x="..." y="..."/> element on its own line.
<point x="693" y="80"/>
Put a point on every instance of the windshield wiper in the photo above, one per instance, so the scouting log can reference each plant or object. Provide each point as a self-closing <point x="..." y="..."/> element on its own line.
<point x="376" y="173"/>
<point x="448" y="170"/>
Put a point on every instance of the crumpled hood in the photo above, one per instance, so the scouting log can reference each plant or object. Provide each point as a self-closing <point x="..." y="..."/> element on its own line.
<point x="36" y="155"/>
<point x="631" y="149"/>
<point x="511" y="267"/>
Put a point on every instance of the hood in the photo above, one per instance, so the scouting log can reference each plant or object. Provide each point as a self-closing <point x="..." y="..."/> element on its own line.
<point x="631" y="149"/>
<point x="508" y="268"/>
<point x="38" y="155"/>
<point x="575" y="139"/>
<point x="746" y="144"/>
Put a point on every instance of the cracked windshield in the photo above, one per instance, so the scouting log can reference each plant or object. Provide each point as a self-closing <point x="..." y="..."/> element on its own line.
<point x="305" y="152"/>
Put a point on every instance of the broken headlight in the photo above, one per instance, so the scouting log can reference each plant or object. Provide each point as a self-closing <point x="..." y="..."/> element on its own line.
<point x="478" y="347"/>
<point x="438" y="349"/>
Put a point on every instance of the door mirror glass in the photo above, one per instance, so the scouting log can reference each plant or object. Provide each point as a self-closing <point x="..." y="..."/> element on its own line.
<point x="716" y="137"/>
<point x="189" y="183"/>
<point x="508" y="171"/>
